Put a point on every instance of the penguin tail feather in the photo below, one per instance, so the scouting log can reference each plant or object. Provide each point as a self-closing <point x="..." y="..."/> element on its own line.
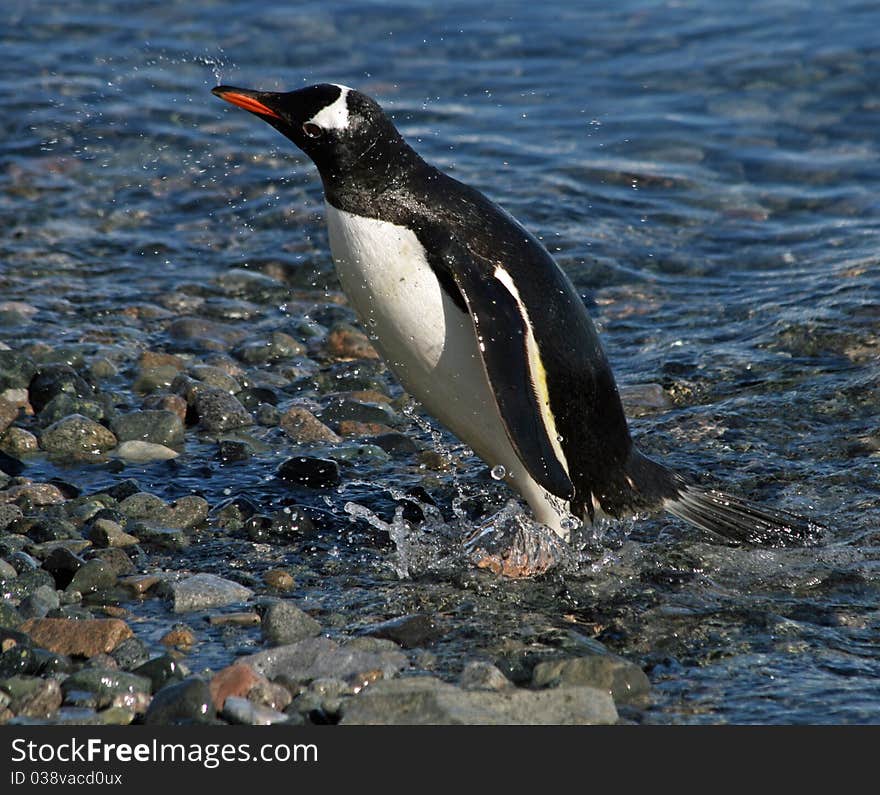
<point x="739" y="521"/>
<point x="727" y="518"/>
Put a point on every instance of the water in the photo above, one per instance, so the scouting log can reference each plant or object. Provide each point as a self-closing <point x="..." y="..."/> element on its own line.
<point x="706" y="172"/>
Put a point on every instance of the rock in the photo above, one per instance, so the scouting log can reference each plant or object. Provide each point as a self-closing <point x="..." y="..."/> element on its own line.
<point x="77" y="435"/>
<point x="110" y="688"/>
<point x="179" y="636"/>
<point x="478" y="675"/>
<point x="144" y="452"/>
<point x="154" y="426"/>
<point x="435" y="461"/>
<point x="32" y="697"/>
<point x="625" y="681"/>
<point x="353" y="428"/>
<point x="10" y="618"/>
<point x="284" y="623"/>
<point x="344" y="342"/>
<point x="55" y="379"/>
<point x="21" y="586"/>
<point x="146" y="506"/>
<point x="219" y="411"/>
<point x="215" y="377"/>
<point x="39" y="602"/>
<point x="642" y="399"/>
<point x="8" y="414"/>
<point x="359" y="453"/>
<point x="279" y="579"/>
<point x="131" y="653"/>
<point x="157" y="370"/>
<point x="189" y="512"/>
<point x="518" y="549"/>
<point x="230" y="451"/>
<point x="409" y="631"/>
<point x="139" y="584"/>
<point x="235" y="680"/>
<point x="107" y="533"/>
<point x="94" y="575"/>
<point x="319" y="657"/>
<point x="81" y="638"/>
<point x="8" y="514"/>
<point x="173" y="403"/>
<point x="203" y="591"/>
<point x="65" y="405"/>
<point x="277" y="347"/>
<point x="118" y="563"/>
<point x="244" y="618"/>
<point x="240" y="710"/>
<point x="18" y="442"/>
<point x="7" y="570"/>
<point x="314" y="473"/>
<point x="62" y="564"/>
<point x="425" y="700"/>
<point x="160" y="671"/>
<point x="303" y="427"/>
<point x="270" y="694"/>
<point x="183" y="702"/>
<point x="16" y="370"/>
<point x="340" y="409"/>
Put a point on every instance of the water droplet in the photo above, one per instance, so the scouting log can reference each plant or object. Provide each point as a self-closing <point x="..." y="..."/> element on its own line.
<point x="570" y="523"/>
<point x="498" y="472"/>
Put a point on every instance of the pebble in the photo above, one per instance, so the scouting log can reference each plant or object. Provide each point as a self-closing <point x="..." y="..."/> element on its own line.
<point x="411" y="631"/>
<point x="277" y="347"/>
<point x="131" y="653"/>
<point x="179" y="636"/>
<point x="190" y="511"/>
<point x="81" y="638"/>
<point x="32" y="697"/>
<point x="479" y="675"/>
<point x="284" y="623"/>
<point x="8" y="414"/>
<point x="215" y="377"/>
<point x="55" y="379"/>
<point x="219" y="411"/>
<point x="143" y="452"/>
<point x="320" y="657"/>
<point x="341" y="409"/>
<point x="77" y="435"/>
<point x="203" y="591"/>
<point x="93" y="575"/>
<point x="518" y="550"/>
<point x="240" y="710"/>
<point x="7" y="570"/>
<point x="242" y="619"/>
<point x="139" y="583"/>
<point x="160" y="670"/>
<point x="110" y="687"/>
<point x="625" y="681"/>
<point x="65" y="405"/>
<point x="237" y="679"/>
<point x="18" y="441"/>
<point x="173" y="403"/>
<point x="303" y="427"/>
<point x="314" y="473"/>
<point x="345" y="342"/>
<point x="279" y="579"/>
<point x="429" y="701"/>
<point x="107" y="533"/>
<point x="150" y="425"/>
<point x="62" y="564"/>
<point x="185" y="702"/>
<point x="230" y="451"/>
<point x="36" y="494"/>
<point x="144" y="505"/>
<point x="39" y="602"/>
<point x="16" y="370"/>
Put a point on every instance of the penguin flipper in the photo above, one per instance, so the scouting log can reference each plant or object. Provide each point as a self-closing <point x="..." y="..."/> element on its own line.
<point x="512" y="362"/>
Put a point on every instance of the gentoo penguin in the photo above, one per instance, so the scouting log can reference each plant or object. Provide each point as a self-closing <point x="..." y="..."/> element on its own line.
<point x="481" y="325"/>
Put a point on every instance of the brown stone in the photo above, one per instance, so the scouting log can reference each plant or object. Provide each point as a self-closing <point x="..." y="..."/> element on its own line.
<point x="369" y="396"/>
<point x="150" y="360"/>
<point x="8" y="414"/>
<point x="81" y="638"/>
<point x="346" y="343"/>
<point x="35" y="493"/>
<point x="139" y="583"/>
<point x="280" y="579"/>
<point x="234" y="680"/>
<point x="361" y="429"/>
<point x="173" y="403"/>
<point x="244" y="619"/>
<point x="305" y="428"/>
<point x="180" y="637"/>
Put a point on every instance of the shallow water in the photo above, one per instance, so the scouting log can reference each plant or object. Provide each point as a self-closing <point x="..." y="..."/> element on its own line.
<point x="708" y="175"/>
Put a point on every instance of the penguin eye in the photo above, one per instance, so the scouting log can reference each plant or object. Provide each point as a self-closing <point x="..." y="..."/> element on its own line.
<point x="312" y="130"/>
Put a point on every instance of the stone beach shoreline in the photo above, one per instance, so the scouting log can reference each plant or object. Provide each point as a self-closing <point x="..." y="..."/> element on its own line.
<point x="110" y="592"/>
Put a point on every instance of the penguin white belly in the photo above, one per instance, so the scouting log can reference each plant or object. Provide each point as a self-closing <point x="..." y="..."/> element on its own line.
<point x="427" y="341"/>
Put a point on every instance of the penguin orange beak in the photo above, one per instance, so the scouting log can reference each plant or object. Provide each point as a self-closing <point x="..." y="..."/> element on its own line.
<point x="245" y="98"/>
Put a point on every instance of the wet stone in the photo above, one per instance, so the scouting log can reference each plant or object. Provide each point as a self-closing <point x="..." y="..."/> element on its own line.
<point x="479" y="675"/>
<point x="276" y="347"/>
<point x="219" y="411"/>
<point x="32" y="697"/>
<point x="92" y="576"/>
<point x="203" y="591"/>
<point x="77" y="435"/>
<point x="315" y="473"/>
<point x="111" y="687"/>
<point x="279" y="579"/>
<point x="429" y="701"/>
<point x="345" y="342"/>
<point x="55" y="379"/>
<point x="107" y="533"/>
<point x="181" y="703"/>
<point x="234" y="680"/>
<point x="130" y="653"/>
<point x="173" y="403"/>
<point x="303" y="427"/>
<point x="339" y="410"/>
<point x="143" y="452"/>
<point x="190" y="511"/>
<point x="38" y="603"/>
<point x="65" y="405"/>
<point x="154" y="426"/>
<point x="74" y="637"/>
<point x="16" y="370"/>
<point x="18" y="442"/>
<point x="626" y="682"/>
<point x="359" y="453"/>
<point x="160" y="670"/>
<point x="409" y="631"/>
<point x="8" y="514"/>
<point x="7" y="570"/>
<point x="215" y="377"/>
<point x="242" y="711"/>
<point x="62" y="564"/>
<point x="9" y="467"/>
<point x="180" y="636"/>
<point x="145" y="506"/>
<point x="283" y="623"/>
<point x="8" y="414"/>
<point x="232" y="451"/>
<point x="21" y="586"/>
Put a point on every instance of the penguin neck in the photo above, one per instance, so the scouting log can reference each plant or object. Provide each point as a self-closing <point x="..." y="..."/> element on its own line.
<point x="383" y="167"/>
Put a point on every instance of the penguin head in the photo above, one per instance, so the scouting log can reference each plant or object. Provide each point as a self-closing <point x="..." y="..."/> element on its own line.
<point x="340" y="129"/>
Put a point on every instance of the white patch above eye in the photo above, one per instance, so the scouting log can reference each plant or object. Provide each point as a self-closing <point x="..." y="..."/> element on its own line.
<point x="335" y="115"/>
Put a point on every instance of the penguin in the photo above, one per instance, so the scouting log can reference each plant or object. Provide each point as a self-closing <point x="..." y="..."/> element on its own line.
<point x="480" y="324"/>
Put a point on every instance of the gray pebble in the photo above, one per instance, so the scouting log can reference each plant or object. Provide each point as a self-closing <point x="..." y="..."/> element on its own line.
<point x="94" y="575"/>
<point x="220" y="411"/>
<point x="283" y="622"/>
<point x="151" y="425"/>
<point x="203" y="591"/>
<point x="32" y="697"/>
<point x="77" y="435"/>
<point x="625" y="681"/>
<point x="409" y="631"/>
<point x="39" y="603"/>
<point x="478" y="675"/>
<point x="240" y="710"/>
<point x="183" y="702"/>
